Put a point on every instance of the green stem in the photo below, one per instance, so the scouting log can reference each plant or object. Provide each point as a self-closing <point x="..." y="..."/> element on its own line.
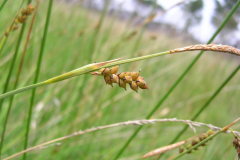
<point x="37" y="74"/>
<point x="178" y="80"/>
<point x="2" y="43"/>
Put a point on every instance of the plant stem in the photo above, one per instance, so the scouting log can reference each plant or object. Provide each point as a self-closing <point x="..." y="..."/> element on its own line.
<point x="37" y="74"/>
<point x="178" y="80"/>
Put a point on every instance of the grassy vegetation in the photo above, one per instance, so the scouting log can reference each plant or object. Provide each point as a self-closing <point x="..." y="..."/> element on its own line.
<point x="85" y="101"/>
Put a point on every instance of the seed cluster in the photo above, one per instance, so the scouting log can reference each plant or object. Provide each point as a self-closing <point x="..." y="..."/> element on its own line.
<point x="196" y="141"/>
<point x="22" y="18"/>
<point x="132" y="78"/>
<point x="236" y="144"/>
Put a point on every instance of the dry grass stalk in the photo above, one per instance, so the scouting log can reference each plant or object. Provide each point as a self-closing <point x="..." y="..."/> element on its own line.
<point x="208" y="47"/>
<point x="137" y="122"/>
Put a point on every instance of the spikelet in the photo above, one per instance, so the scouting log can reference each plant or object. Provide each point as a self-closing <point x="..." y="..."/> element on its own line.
<point x="122" y="84"/>
<point x="132" y="78"/>
<point x="114" y="78"/>
<point x="114" y="70"/>
<point x="134" y="86"/>
<point x="23" y="17"/>
<point x="108" y="80"/>
<point x="127" y="79"/>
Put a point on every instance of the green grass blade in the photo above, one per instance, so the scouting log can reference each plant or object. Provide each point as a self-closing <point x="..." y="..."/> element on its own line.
<point x="2" y="5"/>
<point x="178" y="80"/>
<point x="37" y="73"/>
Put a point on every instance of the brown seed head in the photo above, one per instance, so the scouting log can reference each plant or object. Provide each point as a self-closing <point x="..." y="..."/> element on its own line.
<point x="144" y="87"/>
<point x="194" y="142"/>
<point x="134" y="75"/>
<point x="121" y="75"/>
<point x="134" y="86"/>
<point x="114" y="78"/>
<point x="108" y="80"/>
<point x="127" y="79"/>
<point x="114" y="70"/>
<point x="106" y="71"/>
<point x="122" y="84"/>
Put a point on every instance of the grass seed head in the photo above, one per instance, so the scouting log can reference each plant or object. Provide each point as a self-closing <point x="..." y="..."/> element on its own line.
<point x="7" y="33"/>
<point x="24" y="11"/>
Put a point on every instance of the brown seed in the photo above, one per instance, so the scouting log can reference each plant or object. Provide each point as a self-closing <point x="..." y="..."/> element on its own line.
<point x="114" y="78"/>
<point x="108" y="80"/>
<point x="134" y="75"/>
<point x="134" y="86"/>
<point x="106" y="71"/>
<point x="122" y="84"/>
<point x="127" y="79"/>
<point x="30" y="7"/>
<point x="121" y="75"/>
<point x="114" y="70"/>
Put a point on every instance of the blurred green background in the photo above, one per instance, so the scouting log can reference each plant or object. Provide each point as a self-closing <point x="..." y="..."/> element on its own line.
<point x="75" y="39"/>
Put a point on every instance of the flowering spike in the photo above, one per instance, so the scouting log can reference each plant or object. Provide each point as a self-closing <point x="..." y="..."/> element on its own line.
<point x="122" y="84"/>
<point x="127" y="79"/>
<point x="134" y="86"/>
<point x="114" y="78"/>
<point x="114" y="69"/>
<point x="108" y="80"/>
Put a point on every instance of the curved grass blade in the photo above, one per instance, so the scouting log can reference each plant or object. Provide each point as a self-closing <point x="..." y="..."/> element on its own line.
<point x="178" y="80"/>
